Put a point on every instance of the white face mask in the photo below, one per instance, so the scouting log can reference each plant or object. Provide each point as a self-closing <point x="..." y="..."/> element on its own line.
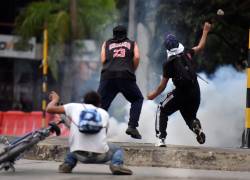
<point x="175" y="51"/>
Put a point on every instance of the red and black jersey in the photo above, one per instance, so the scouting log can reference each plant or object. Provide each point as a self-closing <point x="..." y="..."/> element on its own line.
<point x="119" y="60"/>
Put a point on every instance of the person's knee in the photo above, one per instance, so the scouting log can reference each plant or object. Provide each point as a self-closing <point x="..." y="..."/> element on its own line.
<point x="137" y="101"/>
<point x="163" y="113"/>
<point x="118" y="157"/>
<point x="140" y="99"/>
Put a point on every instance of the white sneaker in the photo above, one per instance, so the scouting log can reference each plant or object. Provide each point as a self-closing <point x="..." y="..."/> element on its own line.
<point x="160" y="143"/>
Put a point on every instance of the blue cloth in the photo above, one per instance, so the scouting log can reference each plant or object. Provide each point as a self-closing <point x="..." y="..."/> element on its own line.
<point x="115" y="155"/>
<point x="171" y="42"/>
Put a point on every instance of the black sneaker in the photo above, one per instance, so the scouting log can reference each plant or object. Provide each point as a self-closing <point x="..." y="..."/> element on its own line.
<point x="65" y="168"/>
<point x="119" y="170"/>
<point x="133" y="132"/>
<point x="200" y="136"/>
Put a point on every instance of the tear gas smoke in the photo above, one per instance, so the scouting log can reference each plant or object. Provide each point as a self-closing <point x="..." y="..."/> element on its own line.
<point x="221" y="114"/>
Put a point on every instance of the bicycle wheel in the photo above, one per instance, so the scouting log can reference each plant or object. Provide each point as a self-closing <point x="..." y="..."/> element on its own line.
<point x="13" y="153"/>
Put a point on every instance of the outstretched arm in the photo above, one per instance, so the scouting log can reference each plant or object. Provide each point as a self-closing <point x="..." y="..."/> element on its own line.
<point x="159" y="89"/>
<point x="202" y="42"/>
<point x="52" y="106"/>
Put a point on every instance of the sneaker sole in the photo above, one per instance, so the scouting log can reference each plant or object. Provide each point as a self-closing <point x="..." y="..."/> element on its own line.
<point x="65" y="172"/>
<point x="64" y="169"/>
<point x="133" y="136"/>
<point x="122" y="172"/>
<point x="160" y="146"/>
<point x="201" y="138"/>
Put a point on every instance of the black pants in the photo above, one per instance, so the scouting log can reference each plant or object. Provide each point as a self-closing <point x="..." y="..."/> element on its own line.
<point x="188" y="106"/>
<point x="108" y="89"/>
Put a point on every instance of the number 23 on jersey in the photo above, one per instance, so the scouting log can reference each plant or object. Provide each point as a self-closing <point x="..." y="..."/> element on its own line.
<point x="121" y="52"/>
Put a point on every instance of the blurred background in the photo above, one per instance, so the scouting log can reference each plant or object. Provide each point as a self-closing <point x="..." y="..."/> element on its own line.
<point x="76" y="30"/>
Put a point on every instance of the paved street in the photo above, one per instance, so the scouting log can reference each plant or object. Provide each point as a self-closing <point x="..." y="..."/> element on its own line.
<point x="41" y="170"/>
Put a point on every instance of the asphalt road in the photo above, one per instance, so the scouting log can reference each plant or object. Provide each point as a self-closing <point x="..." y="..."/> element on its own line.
<point x="41" y="170"/>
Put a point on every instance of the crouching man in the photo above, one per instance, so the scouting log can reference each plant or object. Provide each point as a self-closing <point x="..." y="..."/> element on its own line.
<point x="88" y="134"/>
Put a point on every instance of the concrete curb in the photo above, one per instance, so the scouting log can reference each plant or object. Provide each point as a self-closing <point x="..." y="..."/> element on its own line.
<point x="140" y="154"/>
<point x="190" y="158"/>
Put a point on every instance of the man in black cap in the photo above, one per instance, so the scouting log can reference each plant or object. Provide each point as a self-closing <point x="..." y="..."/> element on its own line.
<point x="120" y="59"/>
<point x="186" y="96"/>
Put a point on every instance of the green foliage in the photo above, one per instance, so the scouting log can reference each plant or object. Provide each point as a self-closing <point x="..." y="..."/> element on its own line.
<point x="95" y="15"/>
<point x="92" y="16"/>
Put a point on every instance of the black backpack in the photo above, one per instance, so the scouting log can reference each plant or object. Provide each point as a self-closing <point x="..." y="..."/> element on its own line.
<point x="184" y="73"/>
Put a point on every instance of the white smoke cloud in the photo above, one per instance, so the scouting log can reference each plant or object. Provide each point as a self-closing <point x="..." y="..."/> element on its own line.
<point x="221" y="114"/>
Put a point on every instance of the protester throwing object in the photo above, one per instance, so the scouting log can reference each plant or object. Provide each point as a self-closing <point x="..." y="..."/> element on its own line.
<point x="186" y="96"/>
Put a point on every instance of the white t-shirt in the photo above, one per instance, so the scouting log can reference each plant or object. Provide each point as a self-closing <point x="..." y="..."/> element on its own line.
<point x="86" y="142"/>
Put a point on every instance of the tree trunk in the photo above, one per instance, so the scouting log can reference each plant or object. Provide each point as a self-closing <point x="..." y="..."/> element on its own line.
<point x="67" y="86"/>
<point x="73" y="17"/>
<point x="131" y="24"/>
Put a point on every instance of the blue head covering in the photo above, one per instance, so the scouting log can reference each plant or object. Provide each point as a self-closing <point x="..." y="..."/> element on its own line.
<point x="170" y="42"/>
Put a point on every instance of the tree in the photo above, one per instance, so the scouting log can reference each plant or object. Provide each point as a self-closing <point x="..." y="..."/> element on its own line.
<point x="66" y="21"/>
<point x="230" y="32"/>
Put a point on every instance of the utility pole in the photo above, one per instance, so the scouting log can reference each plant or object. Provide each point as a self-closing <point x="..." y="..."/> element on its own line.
<point x="73" y="18"/>
<point x="246" y="134"/>
<point x="45" y="74"/>
<point x="131" y="24"/>
<point x="68" y="70"/>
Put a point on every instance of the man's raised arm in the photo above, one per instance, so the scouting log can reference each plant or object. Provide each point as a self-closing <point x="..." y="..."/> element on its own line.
<point x="201" y="45"/>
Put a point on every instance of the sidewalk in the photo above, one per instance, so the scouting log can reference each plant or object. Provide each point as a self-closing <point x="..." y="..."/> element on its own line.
<point x="43" y="170"/>
<point x="140" y="154"/>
